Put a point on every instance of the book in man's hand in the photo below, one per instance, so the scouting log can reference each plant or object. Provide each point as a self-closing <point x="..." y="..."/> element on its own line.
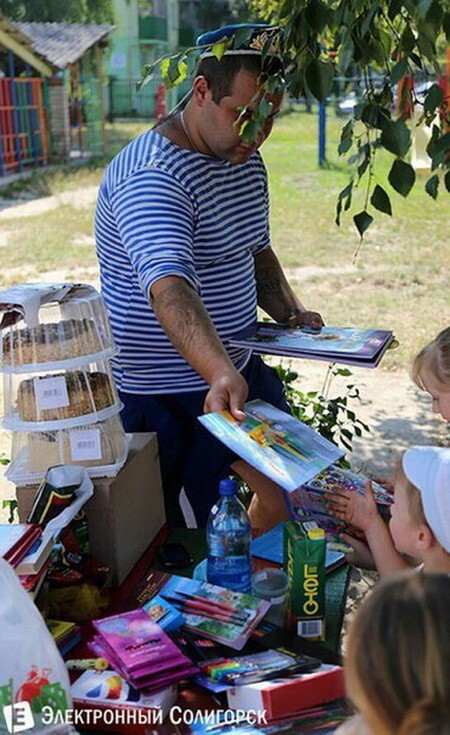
<point x="346" y="345"/>
<point x="277" y="444"/>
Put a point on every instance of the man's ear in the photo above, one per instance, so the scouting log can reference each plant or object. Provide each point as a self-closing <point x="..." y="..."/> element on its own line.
<point x="201" y="91"/>
<point x="425" y="538"/>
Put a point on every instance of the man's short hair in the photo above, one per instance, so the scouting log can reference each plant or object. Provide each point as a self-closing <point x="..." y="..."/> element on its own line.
<point x="220" y="74"/>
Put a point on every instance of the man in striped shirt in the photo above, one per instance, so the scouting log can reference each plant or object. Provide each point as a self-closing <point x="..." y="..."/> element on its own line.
<point x="182" y="232"/>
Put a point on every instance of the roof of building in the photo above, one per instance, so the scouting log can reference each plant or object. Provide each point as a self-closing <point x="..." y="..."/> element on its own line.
<point x="14" y="39"/>
<point x="63" y="43"/>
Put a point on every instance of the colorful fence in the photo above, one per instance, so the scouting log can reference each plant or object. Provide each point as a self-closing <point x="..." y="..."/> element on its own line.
<point x="23" y="124"/>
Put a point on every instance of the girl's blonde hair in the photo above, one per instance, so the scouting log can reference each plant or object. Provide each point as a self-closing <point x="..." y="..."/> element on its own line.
<point x="413" y="496"/>
<point x="398" y="660"/>
<point x="435" y="359"/>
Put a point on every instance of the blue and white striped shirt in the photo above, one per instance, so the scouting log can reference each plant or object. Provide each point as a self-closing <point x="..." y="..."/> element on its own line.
<point x="163" y="211"/>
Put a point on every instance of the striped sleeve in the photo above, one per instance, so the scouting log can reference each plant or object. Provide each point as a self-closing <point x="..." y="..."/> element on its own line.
<point x="155" y="218"/>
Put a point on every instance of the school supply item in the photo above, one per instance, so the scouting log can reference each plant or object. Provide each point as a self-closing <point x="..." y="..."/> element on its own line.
<point x="304" y="559"/>
<point x="346" y="345"/>
<point x="228" y="535"/>
<point x="277" y="444"/>
<point x="66" y="634"/>
<point x="163" y="613"/>
<point x="140" y="651"/>
<point x="210" y="611"/>
<point x="282" y="697"/>
<point x="270" y="546"/>
<point x="271" y="584"/>
<point x="31" y="668"/>
<point x="241" y="670"/>
<point x="321" y="719"/>
<point x="106" y="692"/>
<point x="16" y="539"/>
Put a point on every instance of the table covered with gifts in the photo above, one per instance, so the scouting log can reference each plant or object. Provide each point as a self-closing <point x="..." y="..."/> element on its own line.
<point x="112" y="623"/>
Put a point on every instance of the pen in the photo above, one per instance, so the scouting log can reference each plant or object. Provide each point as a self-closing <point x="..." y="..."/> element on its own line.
<point x="213" y="603"/>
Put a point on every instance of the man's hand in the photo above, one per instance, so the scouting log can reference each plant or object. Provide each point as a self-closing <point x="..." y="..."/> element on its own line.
<point x="305" y="318"/>
<point x="228" y="391"/>
<point x="276" y="296"/>
<point x="357" y="510"/>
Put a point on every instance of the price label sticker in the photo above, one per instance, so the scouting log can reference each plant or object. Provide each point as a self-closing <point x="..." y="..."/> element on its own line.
<point x="51" y="392"/>
<point x="85" y="444"/>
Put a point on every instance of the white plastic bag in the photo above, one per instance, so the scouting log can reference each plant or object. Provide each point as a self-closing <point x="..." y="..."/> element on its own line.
<point x="34" y="684"/>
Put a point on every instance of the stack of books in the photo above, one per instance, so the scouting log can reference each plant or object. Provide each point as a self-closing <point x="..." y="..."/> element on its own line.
<point x="346" y="345"/>
<point x="66" y="635"/>
<point x="140" y="651"/>
<point x="27" y="548"/>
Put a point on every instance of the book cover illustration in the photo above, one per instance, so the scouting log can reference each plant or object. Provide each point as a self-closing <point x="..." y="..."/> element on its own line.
<point x="308" y="501"/>
<point x="136" y="640"/>
<point x="163" y="613"/>
<point x="277" y="444"/>
<point x="348" y="345"/>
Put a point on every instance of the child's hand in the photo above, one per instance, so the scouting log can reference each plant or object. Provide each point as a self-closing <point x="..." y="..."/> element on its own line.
<point x="386" y="484"/>
<point x="361" y="555"/>
<point x="357" y="510"/>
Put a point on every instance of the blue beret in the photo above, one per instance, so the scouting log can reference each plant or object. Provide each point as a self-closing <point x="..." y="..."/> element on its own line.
<point x="254" y="42"/>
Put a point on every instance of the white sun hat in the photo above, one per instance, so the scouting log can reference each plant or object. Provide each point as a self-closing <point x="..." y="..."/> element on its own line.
<point x="428" y="468"/>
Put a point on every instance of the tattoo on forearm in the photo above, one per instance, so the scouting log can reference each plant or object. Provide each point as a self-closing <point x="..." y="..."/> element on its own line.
<point x="183" y="317"/>
<point x="267" y="282"/>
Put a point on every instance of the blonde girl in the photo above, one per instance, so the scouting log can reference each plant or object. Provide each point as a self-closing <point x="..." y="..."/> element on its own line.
<point x="398" y="660"/>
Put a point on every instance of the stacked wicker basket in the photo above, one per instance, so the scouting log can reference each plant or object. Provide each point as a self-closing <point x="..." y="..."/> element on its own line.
<point x="60" y="400"/>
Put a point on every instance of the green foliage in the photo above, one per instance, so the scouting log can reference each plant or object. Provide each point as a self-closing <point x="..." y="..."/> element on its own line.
<point x="332" y="417"/>
<point x="11" y="504"/>
<point x="59" y="11"/>
<point x="386" y="42"/>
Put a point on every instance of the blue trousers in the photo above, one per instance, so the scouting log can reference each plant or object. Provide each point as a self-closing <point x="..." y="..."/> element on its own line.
<point x="190" y="456"/>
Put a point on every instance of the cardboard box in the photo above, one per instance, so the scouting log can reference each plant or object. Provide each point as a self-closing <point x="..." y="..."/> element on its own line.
<point x="126" y="511"/>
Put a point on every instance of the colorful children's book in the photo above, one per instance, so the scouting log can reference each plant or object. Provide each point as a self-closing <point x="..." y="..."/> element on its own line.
<point x="269" y="546"/>
<point x="140" y="650"/>
<point x="209" y="611"/>
<point x="347" y="345"/>
<point x="277" y="444"/>
<point x="308" y="502"/>
<point x="16" y="539"/>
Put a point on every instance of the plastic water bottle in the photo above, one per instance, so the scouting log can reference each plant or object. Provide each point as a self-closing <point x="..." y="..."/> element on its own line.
<point x="228" y="536"/>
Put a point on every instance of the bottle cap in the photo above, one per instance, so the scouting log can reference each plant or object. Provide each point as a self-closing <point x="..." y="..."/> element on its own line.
<point x="228" y="487"/>
<point x="316" y="533"/>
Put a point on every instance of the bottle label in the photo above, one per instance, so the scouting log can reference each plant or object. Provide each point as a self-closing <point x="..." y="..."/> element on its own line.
<point x="233" y="572"/>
